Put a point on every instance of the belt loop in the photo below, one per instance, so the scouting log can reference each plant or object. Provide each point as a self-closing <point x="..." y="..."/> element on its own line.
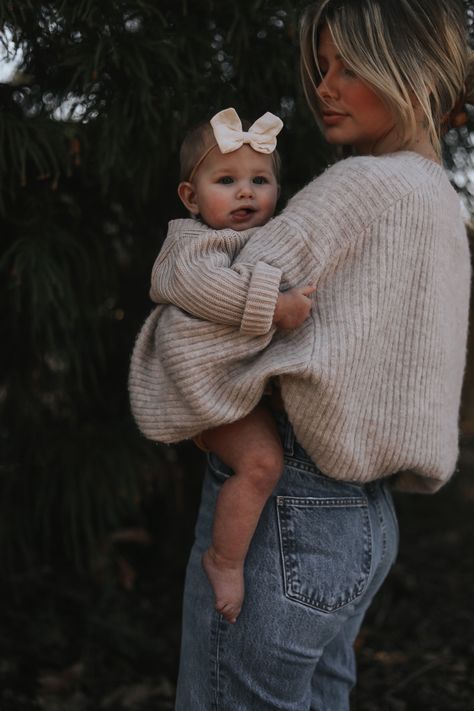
<point x="289" y="440"/>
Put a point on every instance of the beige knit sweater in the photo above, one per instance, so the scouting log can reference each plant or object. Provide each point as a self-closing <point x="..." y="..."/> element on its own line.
<point x="372" y="380"/>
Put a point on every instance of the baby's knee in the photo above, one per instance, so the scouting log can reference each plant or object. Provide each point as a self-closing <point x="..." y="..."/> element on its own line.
<point x="264" y="467"/>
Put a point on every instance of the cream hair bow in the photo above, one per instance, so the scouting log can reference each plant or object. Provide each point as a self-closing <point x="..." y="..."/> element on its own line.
<point x="261" y="135"/>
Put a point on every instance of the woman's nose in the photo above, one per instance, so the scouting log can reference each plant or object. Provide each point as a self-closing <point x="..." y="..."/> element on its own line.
<point x="326" y="88"/>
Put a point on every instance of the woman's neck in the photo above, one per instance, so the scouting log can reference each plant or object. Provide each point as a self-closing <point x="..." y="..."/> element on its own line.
<point x="422" y="145"/>
<point x="419" y="143"/>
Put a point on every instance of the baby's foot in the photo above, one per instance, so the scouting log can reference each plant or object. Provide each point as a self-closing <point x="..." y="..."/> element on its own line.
<point x="227" y="581"/>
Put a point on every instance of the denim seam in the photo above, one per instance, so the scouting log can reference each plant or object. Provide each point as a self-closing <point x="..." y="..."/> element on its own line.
<point x="381" y="519"/>
<point x="215" y="469"/>
<point x="216" y="629"/>
<point x="314" y="502"/>
<point x="289" y="441"/>
<point x="393" y="513"/>
<point x="300" y="465"/>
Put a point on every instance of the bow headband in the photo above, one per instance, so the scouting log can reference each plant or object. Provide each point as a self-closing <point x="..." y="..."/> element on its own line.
<point x="227" y="128"/>
<point x="261" y="135"/>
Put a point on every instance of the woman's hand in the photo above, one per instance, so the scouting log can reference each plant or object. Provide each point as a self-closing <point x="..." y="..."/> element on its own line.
<point x="293" y="307"/>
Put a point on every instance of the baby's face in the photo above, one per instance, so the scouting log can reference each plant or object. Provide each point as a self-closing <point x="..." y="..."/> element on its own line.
<point x="237" y="190"/>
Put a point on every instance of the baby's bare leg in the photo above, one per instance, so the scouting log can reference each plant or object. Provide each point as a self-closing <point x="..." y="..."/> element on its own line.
<point x="252" y="448"/>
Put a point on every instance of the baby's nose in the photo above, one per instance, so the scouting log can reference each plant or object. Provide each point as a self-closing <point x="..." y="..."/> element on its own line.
<point x="246" y="189"/>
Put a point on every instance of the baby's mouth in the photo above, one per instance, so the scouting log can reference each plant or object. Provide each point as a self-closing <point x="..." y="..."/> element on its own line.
<point x="243" y="212"/>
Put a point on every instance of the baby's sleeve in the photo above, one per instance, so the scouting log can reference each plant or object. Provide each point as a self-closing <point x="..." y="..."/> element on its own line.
<point x="195" y="272"/>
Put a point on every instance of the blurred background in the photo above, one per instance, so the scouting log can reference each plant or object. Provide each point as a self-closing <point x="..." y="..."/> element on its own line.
<point x="96" y="522"/>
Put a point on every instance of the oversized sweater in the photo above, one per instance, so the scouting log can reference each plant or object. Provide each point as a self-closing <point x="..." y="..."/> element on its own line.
<point x="371" y="381"/>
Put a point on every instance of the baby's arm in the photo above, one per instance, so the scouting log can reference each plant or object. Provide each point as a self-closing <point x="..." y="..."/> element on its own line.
<point x="196" y="273"/>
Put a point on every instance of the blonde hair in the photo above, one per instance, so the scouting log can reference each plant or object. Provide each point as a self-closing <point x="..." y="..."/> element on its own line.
<point x="199" y="141"/>
<point x="402" y="49"/>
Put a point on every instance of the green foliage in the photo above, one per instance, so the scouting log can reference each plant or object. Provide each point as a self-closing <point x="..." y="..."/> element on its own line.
<point x="90" y="127"/>
<point x="142" y="73"/>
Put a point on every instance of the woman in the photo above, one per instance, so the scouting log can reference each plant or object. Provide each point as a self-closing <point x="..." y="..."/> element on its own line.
<point x="370" y="383"/>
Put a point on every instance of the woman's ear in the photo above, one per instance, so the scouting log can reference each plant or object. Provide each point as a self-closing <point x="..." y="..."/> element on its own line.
<point x="187" y="195"/>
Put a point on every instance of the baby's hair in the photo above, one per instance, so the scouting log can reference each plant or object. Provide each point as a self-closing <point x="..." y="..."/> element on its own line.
<point x="402" y="49"/>
<point x="199" y="140"/>
<point x="195" y="143"/>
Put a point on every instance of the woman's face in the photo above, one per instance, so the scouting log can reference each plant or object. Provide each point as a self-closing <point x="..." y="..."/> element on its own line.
<point x="352" y="113"/>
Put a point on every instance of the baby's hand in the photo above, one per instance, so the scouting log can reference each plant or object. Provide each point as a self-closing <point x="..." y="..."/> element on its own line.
<point x="293" y="307"/>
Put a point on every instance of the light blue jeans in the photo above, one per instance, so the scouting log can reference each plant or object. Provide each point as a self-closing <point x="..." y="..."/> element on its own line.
<point x="320" y="553"/>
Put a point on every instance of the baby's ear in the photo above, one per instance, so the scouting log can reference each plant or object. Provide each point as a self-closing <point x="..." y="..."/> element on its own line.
<point x="188" y="197"/>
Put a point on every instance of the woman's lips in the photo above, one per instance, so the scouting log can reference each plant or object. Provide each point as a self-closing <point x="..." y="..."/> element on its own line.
<point x="332" y="118"/>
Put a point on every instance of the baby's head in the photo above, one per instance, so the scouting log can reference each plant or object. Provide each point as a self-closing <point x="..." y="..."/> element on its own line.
<point x="225" y="181"/>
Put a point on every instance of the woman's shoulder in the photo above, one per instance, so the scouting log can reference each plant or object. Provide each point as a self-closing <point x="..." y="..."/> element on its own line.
<point x="356" y="192"/>
<point x="394" y="173"/>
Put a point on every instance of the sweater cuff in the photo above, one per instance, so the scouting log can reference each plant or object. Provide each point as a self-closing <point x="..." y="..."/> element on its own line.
<point x="261" y="300"/>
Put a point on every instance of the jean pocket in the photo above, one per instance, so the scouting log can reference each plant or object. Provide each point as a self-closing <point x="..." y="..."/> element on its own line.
<point x="326" y="549"/>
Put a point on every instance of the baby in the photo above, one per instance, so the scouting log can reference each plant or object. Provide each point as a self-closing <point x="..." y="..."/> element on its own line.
<point x="230" y="180"/>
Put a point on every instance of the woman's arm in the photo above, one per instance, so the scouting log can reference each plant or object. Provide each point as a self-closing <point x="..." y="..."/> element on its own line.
<point x="236" y="278"/>
<point x="198" y="277"/>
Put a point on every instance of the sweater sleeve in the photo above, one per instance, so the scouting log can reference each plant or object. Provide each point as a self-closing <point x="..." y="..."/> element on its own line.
<point x="326" y="220"/>
<point x="194" y="271"/>
<point x="211" y="278"/>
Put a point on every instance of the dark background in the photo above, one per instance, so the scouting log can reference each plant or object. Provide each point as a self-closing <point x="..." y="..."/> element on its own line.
<point x="96" y="522"/>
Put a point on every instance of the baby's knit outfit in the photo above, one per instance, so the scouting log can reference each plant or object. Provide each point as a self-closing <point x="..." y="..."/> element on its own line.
<point x="371" y="381"/>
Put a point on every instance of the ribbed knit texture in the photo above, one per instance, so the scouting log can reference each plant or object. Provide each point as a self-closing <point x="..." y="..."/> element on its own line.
<point x="372" y="380"/>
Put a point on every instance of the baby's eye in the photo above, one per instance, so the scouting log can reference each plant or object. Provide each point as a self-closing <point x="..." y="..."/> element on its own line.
<point x="260" y="180"/>
<point x="226" y="180"/>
